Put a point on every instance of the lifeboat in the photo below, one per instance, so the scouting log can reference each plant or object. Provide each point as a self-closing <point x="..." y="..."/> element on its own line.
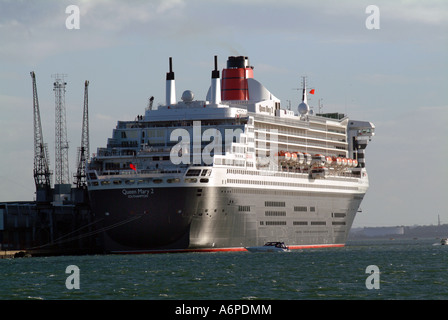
<point x="319" y="172"/>
<point x="308" y="158"/>
<point x="318" y="160"/>
<point x="350" y="162"/>
<point x="355" y="163"/>
<point x="344" y="162"/>
<point x="328" y="160"/>
<point x="284" y="156"/>
<point x="337" y="161"/>
<point x="294" y="156"/>
<point x="280" y="156"/>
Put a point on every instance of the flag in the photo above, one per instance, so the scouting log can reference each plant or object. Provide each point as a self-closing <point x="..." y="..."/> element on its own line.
<point x="133" y="167"/>
<point x="312" y="91"/>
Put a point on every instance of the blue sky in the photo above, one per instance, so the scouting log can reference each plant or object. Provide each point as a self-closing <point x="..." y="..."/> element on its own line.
<point x="395" y="77"/>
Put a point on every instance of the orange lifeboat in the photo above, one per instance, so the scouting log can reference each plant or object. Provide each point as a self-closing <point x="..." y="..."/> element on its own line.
<point x="355" y="163"/>
<point x="344" y="162"/>
<point x="328" y="160"/>
<point x="350" y="162"/>
<point x="280" y="156"/>
<point x="287" y="156"/>
<point x="294" y="156"/>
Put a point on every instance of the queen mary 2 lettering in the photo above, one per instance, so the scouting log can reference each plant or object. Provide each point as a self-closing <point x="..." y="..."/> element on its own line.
<point x="232" y="171"/>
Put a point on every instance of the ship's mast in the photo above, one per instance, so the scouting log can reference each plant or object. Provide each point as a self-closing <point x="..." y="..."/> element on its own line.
<point x="83" y="151"/>
<point x="170" y="86"/>
<point x="41" y="159"/>
<point x="304" y="97"/>
<point x="304" y="108"/>
<point x="61" y="144"/>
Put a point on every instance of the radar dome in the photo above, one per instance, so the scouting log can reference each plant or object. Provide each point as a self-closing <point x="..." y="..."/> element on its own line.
<point x="303" y="108"/>
<point x="187" y="96"/>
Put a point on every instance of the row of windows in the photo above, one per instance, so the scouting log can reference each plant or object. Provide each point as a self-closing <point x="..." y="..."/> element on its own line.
<point x="304" y="209"/>
<point x="274" y="204"/>
<point x="301" y="223"/>
<point x="288" y="184"/>
<point x="244" y="208"/>
<point x="275" y="213"/>
<point x="338" y="215"/>
<point x="283" y="192"/>
<point x="276" y="223"/>
<point x="287" y="128"/>
<point x="343" y="177"/>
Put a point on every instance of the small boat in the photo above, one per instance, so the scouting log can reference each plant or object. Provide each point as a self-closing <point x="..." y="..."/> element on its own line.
<point x="270" y="247"/>
<point x="444" y="242"/>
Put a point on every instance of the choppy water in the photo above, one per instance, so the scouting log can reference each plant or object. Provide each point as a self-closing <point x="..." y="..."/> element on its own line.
<point x="409" y="269"/>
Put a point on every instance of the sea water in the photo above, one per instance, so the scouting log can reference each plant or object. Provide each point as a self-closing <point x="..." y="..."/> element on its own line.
<point x="407" y="269"/>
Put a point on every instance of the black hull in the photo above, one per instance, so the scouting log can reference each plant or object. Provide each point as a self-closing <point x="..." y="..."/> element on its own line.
<point x="144" y="218"/>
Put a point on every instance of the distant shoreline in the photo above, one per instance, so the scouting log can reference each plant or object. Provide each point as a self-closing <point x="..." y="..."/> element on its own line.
<point x="399" y="232"/>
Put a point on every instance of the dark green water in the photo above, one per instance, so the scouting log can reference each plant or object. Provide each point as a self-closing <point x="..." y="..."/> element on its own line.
<point x="409" y="269"/>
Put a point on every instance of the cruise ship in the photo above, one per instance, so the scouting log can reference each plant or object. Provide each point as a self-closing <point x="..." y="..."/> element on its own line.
<point x="232" y="171"/>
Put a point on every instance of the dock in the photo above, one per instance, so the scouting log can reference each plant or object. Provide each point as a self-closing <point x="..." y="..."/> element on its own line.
<point x="8" y="254"/>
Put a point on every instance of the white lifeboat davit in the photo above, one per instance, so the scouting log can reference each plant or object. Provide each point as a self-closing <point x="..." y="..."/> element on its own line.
<point x="300" y="157"/>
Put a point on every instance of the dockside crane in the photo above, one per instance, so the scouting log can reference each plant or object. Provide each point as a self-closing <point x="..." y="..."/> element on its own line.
<point x="41" y="172"/>
<point x="83" y="150"/>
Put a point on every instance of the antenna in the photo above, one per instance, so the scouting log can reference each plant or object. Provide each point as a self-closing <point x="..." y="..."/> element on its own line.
<point x="61" y="144"/>
<point x="320" y="105"/>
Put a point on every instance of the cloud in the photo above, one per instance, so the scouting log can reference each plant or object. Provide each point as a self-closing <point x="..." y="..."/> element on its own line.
<point x="119" y="15"/>
<point x="36" y="30"/>
<point x="433" y="13"/>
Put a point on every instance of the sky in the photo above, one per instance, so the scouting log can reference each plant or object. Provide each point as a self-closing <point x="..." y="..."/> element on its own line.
<point x="394" y="75"/>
